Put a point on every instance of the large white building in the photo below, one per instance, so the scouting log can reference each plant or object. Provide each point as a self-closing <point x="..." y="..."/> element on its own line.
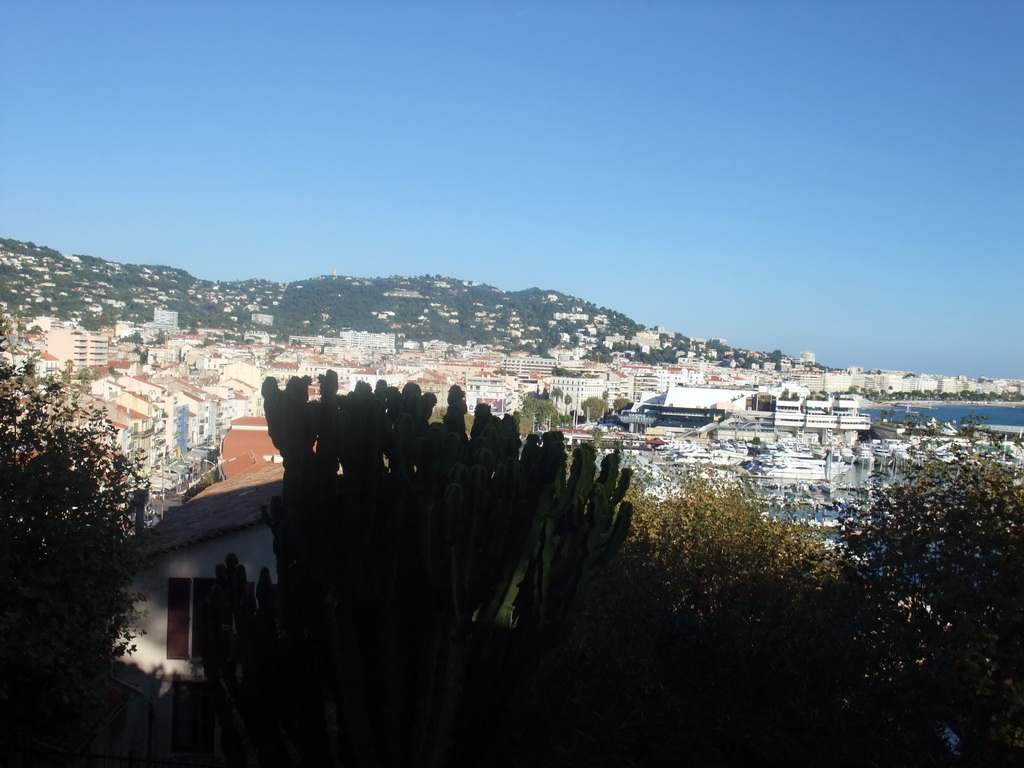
<point x="575" y="391"/>
<point x="686" y="408"/>
<point x="499" y="392"/>
<point x="523" y="365"/>
<point x="350" y="341"/>
<point x="167" y="319"/>
<point x="827" y="422"/>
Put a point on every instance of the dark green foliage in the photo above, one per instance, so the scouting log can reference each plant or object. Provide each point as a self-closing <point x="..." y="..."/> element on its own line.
<point x="541" y="411"/>
<point x="421" y="584"/>
<point x="719" y="637"/>
<point x="593" y="408"/>
<point x="67" y="554"/>
<point x="941" y="555"/>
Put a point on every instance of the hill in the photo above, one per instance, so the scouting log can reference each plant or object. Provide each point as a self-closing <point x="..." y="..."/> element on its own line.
<point x="93" y="292"/>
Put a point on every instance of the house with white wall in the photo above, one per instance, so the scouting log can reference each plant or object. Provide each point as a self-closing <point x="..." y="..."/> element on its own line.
<point x="171" y="717"/>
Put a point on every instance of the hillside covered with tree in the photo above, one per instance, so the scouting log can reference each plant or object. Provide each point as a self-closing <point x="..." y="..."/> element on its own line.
<point x="39" y="281"/>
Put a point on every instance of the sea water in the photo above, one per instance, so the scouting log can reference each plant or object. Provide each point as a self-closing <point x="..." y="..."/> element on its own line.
<point x="995" y="415"/>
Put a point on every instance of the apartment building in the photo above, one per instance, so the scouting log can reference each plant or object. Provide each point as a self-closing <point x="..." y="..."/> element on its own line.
<point x="85" y="349"/>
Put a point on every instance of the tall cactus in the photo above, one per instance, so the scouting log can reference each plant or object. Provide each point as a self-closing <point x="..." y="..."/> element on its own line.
<point x="423" y="573"/>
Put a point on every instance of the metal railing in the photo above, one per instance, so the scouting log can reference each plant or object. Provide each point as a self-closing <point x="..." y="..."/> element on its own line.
<point x="39" y="758"/>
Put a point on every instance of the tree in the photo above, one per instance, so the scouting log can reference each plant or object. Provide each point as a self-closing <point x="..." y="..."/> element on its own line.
<point x="556" y="394"/>
<point x="537" y="411"/>
<point x="721" y="636"/>
<point x="973" y="426"/>
<point x="594" y="407"/>
<point x="423" y="574"/>
<point x="942" y="556"/>
<point x="67" y="552"/>
<point x="85" y="376"/>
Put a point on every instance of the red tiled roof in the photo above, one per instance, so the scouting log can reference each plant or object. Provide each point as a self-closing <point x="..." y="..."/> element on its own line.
<point x="240" y="465"/>
<point x="429" y="377"/>
<point x="244" y="448"/>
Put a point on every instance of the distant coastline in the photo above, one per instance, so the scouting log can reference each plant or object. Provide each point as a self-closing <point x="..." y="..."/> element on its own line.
<point x="939" y="403"/>
<point x="997" y="415"/>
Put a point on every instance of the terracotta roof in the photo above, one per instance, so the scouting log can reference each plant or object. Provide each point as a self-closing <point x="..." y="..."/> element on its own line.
<point x="221" y="509"/>
<point x="241" y="464"/>
<point x="245" y="445"/>
<point x="429" y="377"/>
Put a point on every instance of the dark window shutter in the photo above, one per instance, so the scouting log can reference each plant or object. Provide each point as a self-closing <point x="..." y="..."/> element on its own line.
<point x="201" y="589"/>
<point x="179" y="603"/>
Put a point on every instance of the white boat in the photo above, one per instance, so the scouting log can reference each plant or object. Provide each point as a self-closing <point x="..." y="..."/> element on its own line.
<point x="782" y="465"/>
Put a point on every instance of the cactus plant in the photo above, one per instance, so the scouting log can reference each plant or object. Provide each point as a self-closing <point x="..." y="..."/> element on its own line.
<point x="422" y="572"/>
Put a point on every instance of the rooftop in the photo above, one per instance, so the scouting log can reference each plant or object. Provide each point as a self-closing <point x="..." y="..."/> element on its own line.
<point x="221" y="509"/>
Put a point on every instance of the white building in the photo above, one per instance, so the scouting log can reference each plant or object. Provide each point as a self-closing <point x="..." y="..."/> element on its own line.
<point x="165" y="319"/>
<point x="499" y="392"/>
<point x="577" y="390"/>
<point x="827" y="422"/>
<point x="350" y="341"/>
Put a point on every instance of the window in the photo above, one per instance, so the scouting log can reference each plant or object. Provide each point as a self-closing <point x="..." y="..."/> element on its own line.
<point x="192" y="720"/>
<point x="179" y="612"/>
<point x="184" y="596"/>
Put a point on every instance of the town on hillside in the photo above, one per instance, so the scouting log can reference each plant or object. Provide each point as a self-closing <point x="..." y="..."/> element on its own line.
<point x="188" y="403"/>
<point x="185" y="399"/>
<point x="184" y="393"/>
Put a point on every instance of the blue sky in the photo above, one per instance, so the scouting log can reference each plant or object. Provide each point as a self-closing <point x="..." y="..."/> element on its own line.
<point x="846" y="178"/>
